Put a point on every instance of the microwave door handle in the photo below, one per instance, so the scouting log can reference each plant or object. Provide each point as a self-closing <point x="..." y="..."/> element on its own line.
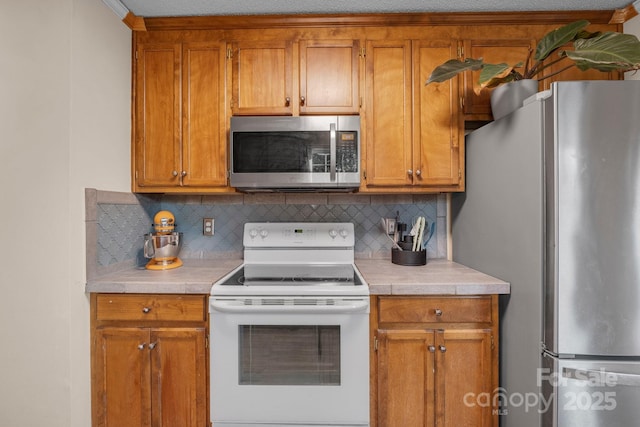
<point x="332" y="152"/>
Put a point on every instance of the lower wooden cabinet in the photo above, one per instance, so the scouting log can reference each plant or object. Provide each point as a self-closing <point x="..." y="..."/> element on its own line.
<point x="148" y="360"/>
<point x="434" y="361"/>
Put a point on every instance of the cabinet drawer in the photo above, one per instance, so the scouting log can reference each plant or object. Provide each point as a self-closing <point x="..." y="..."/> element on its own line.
<point x="185" y="308"/>
<point x="430" y="310"/>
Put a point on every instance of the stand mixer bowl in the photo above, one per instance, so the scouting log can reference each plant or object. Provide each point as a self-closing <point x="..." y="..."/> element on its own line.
<point x="162" y="248"/>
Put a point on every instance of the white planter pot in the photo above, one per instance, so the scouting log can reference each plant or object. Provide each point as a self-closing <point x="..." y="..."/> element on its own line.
<point x="509" y="96"/>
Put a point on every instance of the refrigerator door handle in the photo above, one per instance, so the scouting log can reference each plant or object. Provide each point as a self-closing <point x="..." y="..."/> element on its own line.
<point x="602" y="377"/>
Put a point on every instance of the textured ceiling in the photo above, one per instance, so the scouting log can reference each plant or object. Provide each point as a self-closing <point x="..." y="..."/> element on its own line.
<point x="155" y="8"/>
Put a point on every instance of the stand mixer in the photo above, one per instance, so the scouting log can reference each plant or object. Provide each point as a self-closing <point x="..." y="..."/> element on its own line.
<point x="163" y="245"/>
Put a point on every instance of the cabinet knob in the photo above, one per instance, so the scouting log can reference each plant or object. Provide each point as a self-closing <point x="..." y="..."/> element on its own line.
<point x="141" y="346"/>
<point x="418" y="172"/>
<point x="184" y="173"/>
<point x="145" y="310"/>
<point x="302" y="100"/>
<point x="287" y="101"/>
<point x="432" y="349"/>
<point x="152" y="345"/>
<point x="442" y="348"/>
<point x="174" y="173"/>
<point x="410" y="172"/>
<point x="438" y="312"/>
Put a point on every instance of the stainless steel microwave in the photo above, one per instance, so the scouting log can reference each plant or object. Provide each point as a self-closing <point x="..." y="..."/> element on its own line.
<point x="284" y="153"/>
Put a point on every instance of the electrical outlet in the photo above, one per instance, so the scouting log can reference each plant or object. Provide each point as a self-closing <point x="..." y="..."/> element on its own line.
<point x="207" y="226"/>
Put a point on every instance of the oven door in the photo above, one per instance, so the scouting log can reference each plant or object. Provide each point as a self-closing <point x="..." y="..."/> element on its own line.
<point x="289" y="361"/>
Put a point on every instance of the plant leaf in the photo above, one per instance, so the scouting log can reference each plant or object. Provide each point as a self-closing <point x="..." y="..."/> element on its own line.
<point x="558" y="37"/>
<point x="453" y="67"/>
<point x="606" y="52"/>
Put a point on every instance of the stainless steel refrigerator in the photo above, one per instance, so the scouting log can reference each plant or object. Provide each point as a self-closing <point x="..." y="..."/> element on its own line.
<point x="552" y="206"/>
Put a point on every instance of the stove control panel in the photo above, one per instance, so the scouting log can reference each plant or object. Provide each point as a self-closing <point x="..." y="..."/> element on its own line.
<point x="298" y="234"/>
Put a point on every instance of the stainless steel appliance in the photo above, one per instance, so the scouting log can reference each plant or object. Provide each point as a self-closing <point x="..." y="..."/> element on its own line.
<point x="290" y="331"/>
<point x="295" y="153"/>
<point x="553" y="206"/>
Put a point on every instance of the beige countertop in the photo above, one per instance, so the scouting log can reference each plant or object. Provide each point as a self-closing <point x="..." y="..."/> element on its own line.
<point x="438" y="277"/>
<point x="194" y="277"/>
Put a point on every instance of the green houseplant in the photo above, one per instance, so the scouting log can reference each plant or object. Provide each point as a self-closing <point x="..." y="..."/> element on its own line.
<point x="573" y="44"/>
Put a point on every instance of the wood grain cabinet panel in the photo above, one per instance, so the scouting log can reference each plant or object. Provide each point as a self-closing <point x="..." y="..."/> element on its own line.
<point x="329" y="77"/>
<point x="180" y="120"/>
<point x="320" y="77"/>
<point x="149" y="371"/>
<point x="412" y="130"/>
<point x="432" y="359"/>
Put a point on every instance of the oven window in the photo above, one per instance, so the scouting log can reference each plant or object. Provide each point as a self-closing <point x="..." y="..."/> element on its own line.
<point x="289" y="355"/>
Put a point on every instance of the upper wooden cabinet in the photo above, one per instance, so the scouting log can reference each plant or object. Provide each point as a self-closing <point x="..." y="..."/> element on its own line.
<point x="329" y="77"/>
<point x="179" y="120"/>
<point x="412" y="130"/>
<point x="262" y="78"/>
<point x="191" y="75"/>
<point x="493" y="51"/>
<point x="287" y="78"/>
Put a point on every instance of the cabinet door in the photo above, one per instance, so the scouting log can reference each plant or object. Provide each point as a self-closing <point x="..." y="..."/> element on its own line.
<point x="388" y="113"/>
<point x="464" y="378"/>
<point x="121" y="372"/>
<point x="157" y="114"/>
<point x="437" y="120"/>
<point x="204" y="162"/>
<point x="179" y="377"/>
<point x="262" y="77"/>
<point x="405" y="378"/>
<point x="478" y="107"/>
<point x="329" y="76"/>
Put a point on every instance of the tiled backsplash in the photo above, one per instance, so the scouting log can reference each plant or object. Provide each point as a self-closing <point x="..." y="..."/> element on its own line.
<point x="121" y="222"/>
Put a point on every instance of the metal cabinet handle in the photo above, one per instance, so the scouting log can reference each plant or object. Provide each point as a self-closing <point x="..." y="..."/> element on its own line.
<point x="145" y="310"/>
<point x="418" y="172"/>
<point x="141" y="346"/>
<point x="152" y="345"/>
<point x="174" y="173"/>
<point x="287" y="101"/>
<point x="438" y="312"/>
<point x="302" y="101"/>
<point x="410" y="172"/>
<point x="432" y="349"/>
<point x="442" y="348"/>
<point x="184" y="173"/>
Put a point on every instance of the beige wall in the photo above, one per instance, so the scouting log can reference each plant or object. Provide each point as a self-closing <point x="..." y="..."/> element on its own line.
<point x="65" y="123"/>
<point x="633" y="27"/>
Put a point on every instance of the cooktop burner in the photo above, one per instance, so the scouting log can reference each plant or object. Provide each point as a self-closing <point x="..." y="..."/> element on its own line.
<point x="293" y="275"/>
<point x="315" y="259"/>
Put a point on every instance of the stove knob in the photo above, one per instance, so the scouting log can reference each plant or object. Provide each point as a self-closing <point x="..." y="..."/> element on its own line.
<point x="344" y="233"/>
<point x="253" y="233"/>
<point x="333" y="233"/>
<point x="264" y="233"/>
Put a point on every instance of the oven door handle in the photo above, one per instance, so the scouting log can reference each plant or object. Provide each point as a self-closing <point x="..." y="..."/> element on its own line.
<point x="236" y="306"/>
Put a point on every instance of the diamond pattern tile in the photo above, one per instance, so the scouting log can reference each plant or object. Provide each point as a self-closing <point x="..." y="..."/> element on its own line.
<point x="121" y="227"/>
